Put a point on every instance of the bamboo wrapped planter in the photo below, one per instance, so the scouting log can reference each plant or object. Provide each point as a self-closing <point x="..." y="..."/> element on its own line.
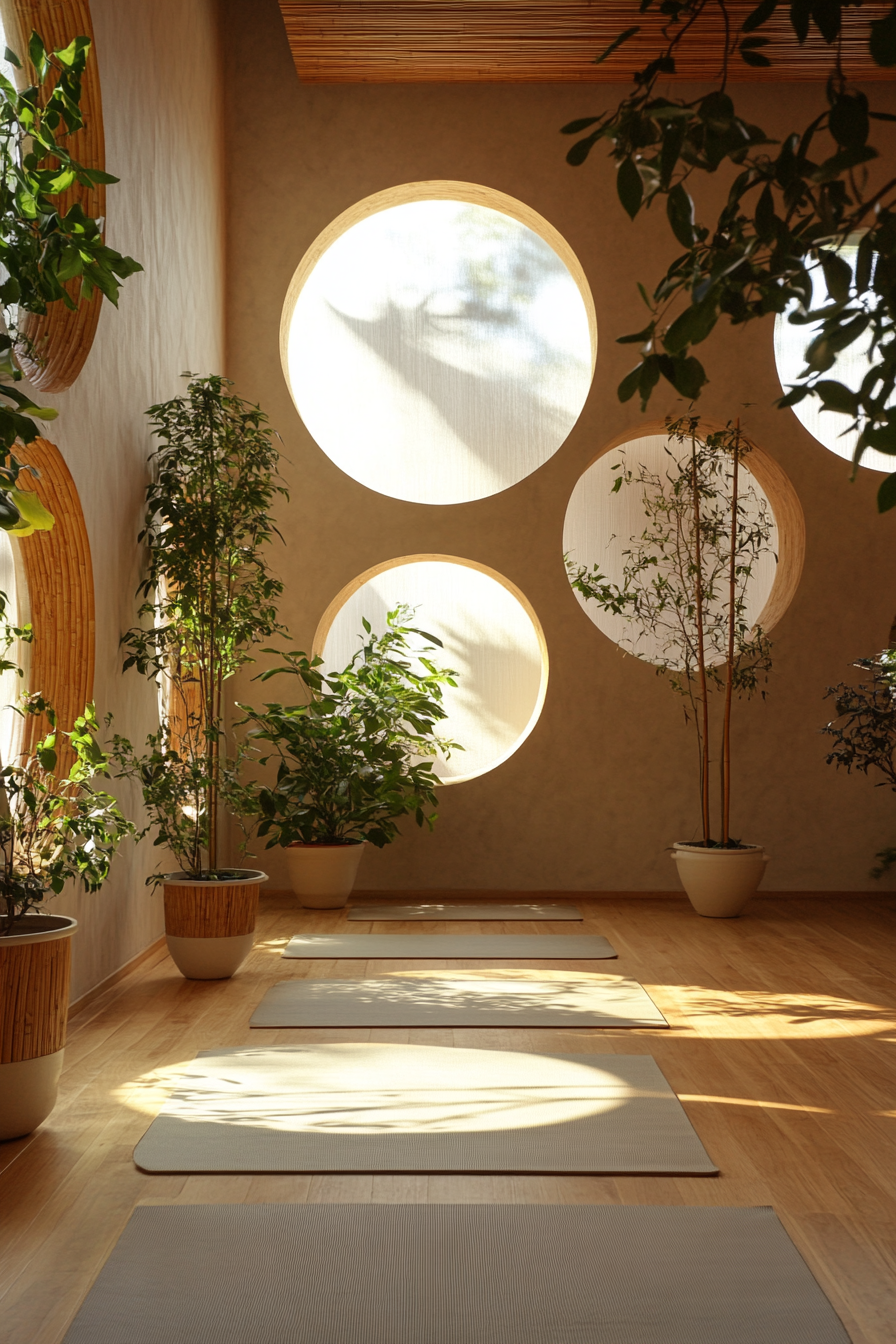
<point x="210" y="925"/>
<point x="35" y="976"/>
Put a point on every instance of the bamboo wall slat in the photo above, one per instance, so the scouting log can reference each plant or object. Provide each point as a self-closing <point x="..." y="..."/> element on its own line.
<point x="59" y="576"/>
<point x="63" y="337"/>
<point x="34" y="992"/>
<point x="359" y="41"/>
<point x="210" y="909"/>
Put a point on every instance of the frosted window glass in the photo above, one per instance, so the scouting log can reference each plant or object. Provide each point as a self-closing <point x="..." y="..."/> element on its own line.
<point x="599" y="526"/>
<point x="849" y="368"/>
<point x="439" y="352"/>
<point x="489" y="638"/>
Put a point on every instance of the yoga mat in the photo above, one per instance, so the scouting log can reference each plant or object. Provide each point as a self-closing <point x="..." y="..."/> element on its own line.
<point x="461" y="947"/>
<point x="461" y="999"/>
<point x="454" y="1274"/>
<point x="490" y="910"/>
<point x="369" y="1107"/>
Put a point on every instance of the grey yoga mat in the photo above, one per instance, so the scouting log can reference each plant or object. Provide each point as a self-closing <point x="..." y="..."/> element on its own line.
<point x="489" y="910"/>
<point x="482" y="998"/>
<point x="454" y="1274"/>
<point x="454" y="947"/>
<point x="370" y="1107"/>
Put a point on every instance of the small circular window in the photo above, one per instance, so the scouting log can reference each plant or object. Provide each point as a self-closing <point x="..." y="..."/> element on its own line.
<point x="849" y="367"/>
<point x="491" y="638"/>
<point x="602" y="524"/>
<point x="439" y="349"/>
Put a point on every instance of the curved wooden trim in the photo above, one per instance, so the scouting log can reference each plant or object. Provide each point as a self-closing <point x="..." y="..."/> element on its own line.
<point x="469" y="192"/>
<point x="782" y="497"/>
<point x="59" y="579"/>
<point x="62" y="337"/>
<point x="326" y="621"/>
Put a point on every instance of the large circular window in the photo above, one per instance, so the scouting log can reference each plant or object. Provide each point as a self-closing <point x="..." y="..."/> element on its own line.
<point x="602" y="524"/>
<point x="850" y="367"/>
<point x="439" y="342"/>
<point x="491" y="637"/>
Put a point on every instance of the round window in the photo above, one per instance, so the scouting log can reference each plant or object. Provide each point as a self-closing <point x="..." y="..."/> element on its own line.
<point x="491" y="637"/>
<point x="439" y="350"/>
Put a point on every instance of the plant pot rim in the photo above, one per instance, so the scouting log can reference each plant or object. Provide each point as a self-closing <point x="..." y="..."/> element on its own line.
<point x="244" y="875"/>
<point x="322" y="844"/>
<point x="690" y="847"/>
<point x="53" y="927"/>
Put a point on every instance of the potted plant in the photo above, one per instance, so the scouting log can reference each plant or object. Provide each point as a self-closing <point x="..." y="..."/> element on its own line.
<point x="864" y="730"/>
<point x="208" y="598"/>
<point x="684" y="591"/>
<point x="353" y="756"/>
<point x="53" y="828"/>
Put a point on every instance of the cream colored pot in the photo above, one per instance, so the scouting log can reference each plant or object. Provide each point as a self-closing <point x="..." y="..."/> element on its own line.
<point x="323" y="876"/>
<point x="719" y="882"/>
<point x="35" y="978"/>
<point x="210" y="925"/>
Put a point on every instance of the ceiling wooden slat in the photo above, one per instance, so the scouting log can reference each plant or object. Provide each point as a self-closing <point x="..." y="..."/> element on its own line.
<point x="365" y="41"/>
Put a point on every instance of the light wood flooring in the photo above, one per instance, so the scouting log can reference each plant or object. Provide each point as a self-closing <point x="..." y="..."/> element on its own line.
<point x="781" y="1048"/>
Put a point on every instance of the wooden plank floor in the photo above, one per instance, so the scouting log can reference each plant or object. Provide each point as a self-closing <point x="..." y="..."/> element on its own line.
<point x="783" y="1027"/>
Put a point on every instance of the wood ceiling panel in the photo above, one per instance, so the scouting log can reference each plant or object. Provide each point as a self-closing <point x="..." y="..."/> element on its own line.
<point x="366" y="41"/>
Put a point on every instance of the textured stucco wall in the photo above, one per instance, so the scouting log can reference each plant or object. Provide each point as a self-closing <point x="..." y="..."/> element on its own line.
<point x="606" y="781"/>
<point x="159" y="70"/>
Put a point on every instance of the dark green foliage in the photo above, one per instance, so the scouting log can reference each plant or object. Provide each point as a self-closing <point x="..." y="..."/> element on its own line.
<point x="52" y="828"/>
<point x="40" y="249"/>
<point x="864" y="731"/>
<point x="208" y="598"/>
<point x="792" y="205"/>
<point x="354" y="756"/>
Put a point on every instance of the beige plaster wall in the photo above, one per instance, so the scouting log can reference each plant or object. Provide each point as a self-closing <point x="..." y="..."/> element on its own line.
<point x="606" y="781"/>
<point x="159" y="70"/>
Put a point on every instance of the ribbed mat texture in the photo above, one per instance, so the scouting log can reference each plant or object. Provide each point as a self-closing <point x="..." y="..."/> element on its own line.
<point x="369" y="1107"/>
<point x="454" y="947"/>
<point x="489" y="910"/>
<point x="454" y="1274"/>
<point x="461" y="999"/>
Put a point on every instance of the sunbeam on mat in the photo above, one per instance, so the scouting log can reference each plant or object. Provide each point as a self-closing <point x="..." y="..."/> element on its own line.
<point x="372" y="1107"/>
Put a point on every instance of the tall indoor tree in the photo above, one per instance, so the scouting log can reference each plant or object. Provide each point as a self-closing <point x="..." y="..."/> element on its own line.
<point x="794" y="204"/>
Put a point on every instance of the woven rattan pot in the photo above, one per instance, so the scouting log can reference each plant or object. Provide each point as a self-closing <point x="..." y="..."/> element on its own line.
<point x="35" y="976"/>
<point x="210" y="924"/>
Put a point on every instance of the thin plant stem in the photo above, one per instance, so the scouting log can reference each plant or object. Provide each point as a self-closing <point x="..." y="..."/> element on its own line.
<point x="701" y="655"/>
<point x="729" y="660"/>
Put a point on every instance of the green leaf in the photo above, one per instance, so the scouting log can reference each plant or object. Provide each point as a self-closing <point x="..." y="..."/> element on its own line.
<point x="11" y="58"/>
<point x="629" y="385"/>
<point x="617" y="42"/>
<point x="637" y="337"/>
<point x="629" y="187"/>
<point x="580" y="124"/>
<point x="836" y="397"/>
<point x="883" y="438"/>
<point x="882" y="42"/>
<point x="31" y="509"/>
<point x="759" y="16"/>
<point x="842" y="161"/>
<point x="848" y="119"/>
<point x="692" y="326"/>
<point x="754" y="58"/>
<point x="886" y="495"/>
<point x="680" y="213"/>
<point x="837" y="276"/>
<point x="580" y="151"/>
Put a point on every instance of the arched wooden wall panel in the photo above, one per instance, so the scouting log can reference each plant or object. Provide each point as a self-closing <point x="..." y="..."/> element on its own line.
<point x="59" y="575"/>
<point x="63" y="337"/>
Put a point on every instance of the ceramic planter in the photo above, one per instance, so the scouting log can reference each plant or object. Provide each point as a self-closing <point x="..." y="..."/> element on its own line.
<point x="719" y="882"/>
<point x="323" y="876"/>
<point x="210" y="925"/>
<point x="35" y="976"/>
